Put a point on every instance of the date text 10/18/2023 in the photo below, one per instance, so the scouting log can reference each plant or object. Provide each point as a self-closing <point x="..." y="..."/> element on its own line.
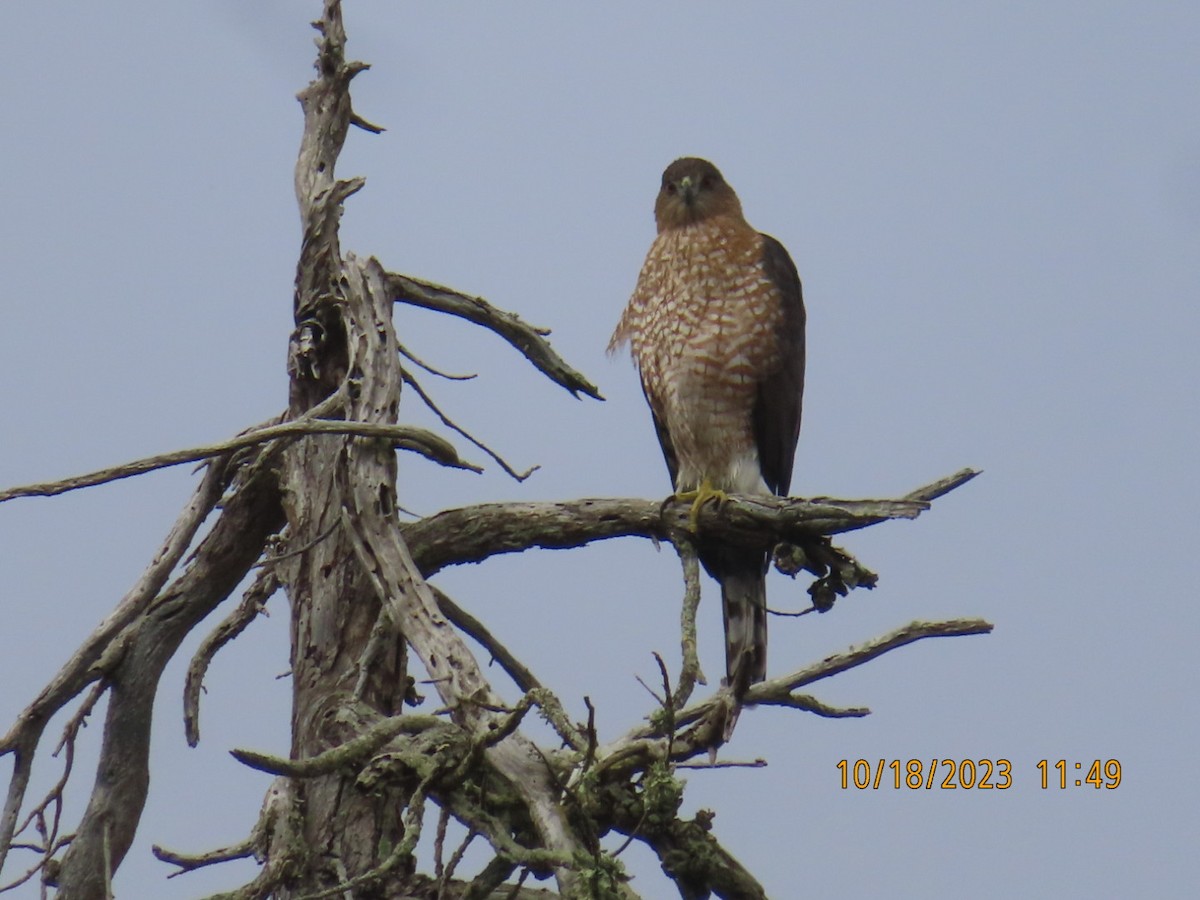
<point x="974" y="774"/>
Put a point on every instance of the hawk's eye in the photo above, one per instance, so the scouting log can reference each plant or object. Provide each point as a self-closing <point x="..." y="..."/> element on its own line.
<point x="706" y="183"/>
<point x="669" y="187"/>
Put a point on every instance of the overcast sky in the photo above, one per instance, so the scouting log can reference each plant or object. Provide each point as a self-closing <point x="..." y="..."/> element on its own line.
<point x="996" y="214"/>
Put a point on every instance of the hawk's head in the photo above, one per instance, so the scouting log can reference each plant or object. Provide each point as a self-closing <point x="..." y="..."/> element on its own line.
<point x="693" y="190"/>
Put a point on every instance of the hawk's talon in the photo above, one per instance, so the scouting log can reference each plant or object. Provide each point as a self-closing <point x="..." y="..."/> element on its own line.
<point x="701" y="495"/>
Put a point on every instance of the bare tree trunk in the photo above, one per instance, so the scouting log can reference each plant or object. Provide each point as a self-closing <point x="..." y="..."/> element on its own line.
<point x="355" y="589"/>
<point x="347" y="831"/>
<point x="336" y="609"/>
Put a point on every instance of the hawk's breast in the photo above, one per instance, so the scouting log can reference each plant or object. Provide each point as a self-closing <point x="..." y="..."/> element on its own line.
<point x="703" y="324"/>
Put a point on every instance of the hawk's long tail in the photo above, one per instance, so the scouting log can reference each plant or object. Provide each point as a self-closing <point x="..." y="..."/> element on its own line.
<point x="743" y="577"/>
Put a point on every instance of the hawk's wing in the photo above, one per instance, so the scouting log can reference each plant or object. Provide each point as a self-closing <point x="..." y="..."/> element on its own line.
<point x="664" y="438"/>
<point x="780" y="396"/>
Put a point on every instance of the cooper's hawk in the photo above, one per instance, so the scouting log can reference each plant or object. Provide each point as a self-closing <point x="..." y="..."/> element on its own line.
<point x="716" y="326"/>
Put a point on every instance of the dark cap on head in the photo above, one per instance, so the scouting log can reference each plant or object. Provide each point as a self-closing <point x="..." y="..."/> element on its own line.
<point x="693" y="190"/>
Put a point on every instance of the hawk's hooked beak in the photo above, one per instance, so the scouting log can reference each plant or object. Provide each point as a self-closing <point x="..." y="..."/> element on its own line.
<point x="687" y="189"/>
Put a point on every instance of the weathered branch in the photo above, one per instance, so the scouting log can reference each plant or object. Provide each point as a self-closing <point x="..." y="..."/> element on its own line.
<point x="99" y="651"/>
<point x="345" y="756"/>
<point x="219" y="563"/>
<point x="275" y="840"/>
<point x="942" y="486"/>
<point x="402" y="437"/>
<point x="526" y="338"/>
<point x="687" y="850"/>
<point x="433" y="370"/>
<point x="474" y="533"/>
<point x="50" y="841"/>
<point x="690" y="673"/>
<point x="779" y="690"/>
<point x="253" y="604"/>
<point x="189" y="862"/>
<point x="811" y="704"/>
<point x="412" y="382"/>
<point x="520" y="674"/>
<point x="648" y="742"/>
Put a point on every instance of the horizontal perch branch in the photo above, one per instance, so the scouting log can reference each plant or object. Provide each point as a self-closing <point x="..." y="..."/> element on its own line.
<point x="474" y="533"/>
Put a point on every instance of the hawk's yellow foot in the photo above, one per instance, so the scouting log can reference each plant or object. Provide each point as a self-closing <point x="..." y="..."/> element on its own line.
<point x="699" y="497"/>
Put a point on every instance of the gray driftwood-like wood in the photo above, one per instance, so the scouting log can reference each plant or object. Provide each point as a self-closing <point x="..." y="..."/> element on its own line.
<point x="308" y="501"/>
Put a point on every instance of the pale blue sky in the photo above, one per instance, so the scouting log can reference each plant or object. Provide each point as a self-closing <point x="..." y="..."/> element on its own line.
<point x="996" y="214"/>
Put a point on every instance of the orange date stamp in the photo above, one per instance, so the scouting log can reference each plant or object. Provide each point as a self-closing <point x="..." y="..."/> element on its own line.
<point x="972" y="774"/>
<point x="926" y="774"/>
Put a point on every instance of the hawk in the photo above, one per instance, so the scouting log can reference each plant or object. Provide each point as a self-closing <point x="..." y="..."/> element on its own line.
<point x="716" y="329"/>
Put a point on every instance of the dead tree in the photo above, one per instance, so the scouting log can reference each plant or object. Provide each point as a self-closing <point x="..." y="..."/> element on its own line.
<point x="308" y="503"/>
